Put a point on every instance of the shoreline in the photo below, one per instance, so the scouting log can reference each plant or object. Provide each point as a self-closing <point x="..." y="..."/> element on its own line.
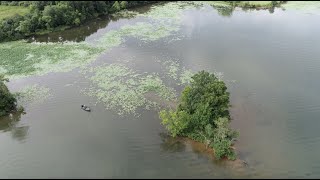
<point x="199" y="147"/>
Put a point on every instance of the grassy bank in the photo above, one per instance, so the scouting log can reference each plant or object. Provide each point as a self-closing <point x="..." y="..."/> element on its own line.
<point x="8" y="11"/>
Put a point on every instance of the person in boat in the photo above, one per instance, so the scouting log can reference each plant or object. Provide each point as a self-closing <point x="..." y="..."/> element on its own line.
<point x="84" y="107"/>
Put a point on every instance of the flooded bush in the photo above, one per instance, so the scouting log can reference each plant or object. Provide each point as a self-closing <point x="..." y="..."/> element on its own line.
<point x="7" y="100"/>
<point x="203" y="114"/>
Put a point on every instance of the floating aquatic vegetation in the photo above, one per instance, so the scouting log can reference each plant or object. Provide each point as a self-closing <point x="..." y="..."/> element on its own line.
<point x="185" y="77"/>
<point x="125" y="14"/>
<point x="171" y="11"/>
<point x="121" y="88"/>
<point x="219" y="75"/>
<point x="172" y="67"/>
<point x="114" y="90"/>
<point x="21" y="59"/>
<point x="154" y="83"/>
<point x="221" y="4"/>
<point x="147" y="31"/>
<point x="303" y="6"/>
<point x="110" y="39"/>
<point x="142" y="30"/>
<point x="116" y="86"/>
<point x="33" y="94"/>
<point x="165" y="19"/>
<point x="176" y="72"/>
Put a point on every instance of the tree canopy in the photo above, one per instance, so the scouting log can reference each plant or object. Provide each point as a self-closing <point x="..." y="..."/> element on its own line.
<point x="49" y="15"/>
<point x="202" y="114"/>
<point x="7" y="100"/>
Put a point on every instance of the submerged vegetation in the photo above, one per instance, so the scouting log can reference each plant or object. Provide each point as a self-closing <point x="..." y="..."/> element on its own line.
<point x="33" y="94"/>
<point x="202" y="115"/>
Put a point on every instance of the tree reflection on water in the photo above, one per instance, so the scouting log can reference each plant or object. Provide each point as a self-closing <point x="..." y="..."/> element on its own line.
<point x="11" y="124"/>
<point x="171" y="144"/>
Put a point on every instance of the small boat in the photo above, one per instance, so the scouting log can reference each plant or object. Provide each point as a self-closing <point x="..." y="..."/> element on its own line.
<point x="85" y="108"/>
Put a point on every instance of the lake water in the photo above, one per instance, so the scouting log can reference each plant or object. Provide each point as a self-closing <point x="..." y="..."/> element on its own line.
<point x="270" y="62"/>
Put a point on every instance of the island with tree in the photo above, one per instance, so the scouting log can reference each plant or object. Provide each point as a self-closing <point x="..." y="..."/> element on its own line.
<point x="203" y="115"/>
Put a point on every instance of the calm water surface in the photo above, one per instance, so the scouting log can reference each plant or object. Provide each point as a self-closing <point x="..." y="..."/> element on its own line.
<point x="270" y="62"/>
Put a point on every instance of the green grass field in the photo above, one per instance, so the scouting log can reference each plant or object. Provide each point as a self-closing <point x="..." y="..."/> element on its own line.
<point x="7" y="11"/>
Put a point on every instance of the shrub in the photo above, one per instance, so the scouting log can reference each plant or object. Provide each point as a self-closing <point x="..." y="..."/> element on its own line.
<point x="203" y="114"/>
<point x="7" y="100"/>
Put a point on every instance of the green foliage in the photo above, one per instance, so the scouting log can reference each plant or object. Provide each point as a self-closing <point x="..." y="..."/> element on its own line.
<point x="8" y="11"/>
<point x="206" y="96"/>
<point x="222" y="139"/>
<point x="115" y="7"/>
<point x="175" y="122"/>
<point x="50" y="15"/>
<point x="7" y="100"/>
<point x="226" y="8"/>
<point x="9" y="28"/>
<point x="203" y="114"/>
<point x="123" y="4"/>
<point x="256" y="4"/>
<point x="21" y="59"/>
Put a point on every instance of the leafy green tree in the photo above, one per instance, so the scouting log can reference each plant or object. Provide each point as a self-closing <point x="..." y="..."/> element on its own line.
<point x="7" y="100"/>
<point x="206" y="96"/>
<point x="48" y="15"/>
<point x="123" y="4"/>
<point x="222" y="139"/>
<point x="202" y="114"/>
<point x="175" y="122"/>
<point x="115" y="7"/>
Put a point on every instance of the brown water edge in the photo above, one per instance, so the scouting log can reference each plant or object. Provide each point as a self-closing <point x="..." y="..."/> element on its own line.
<point x="236" y="168"/>
<point x="198" y="147"/>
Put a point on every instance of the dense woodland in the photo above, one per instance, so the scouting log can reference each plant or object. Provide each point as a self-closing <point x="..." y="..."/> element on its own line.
<point x="48" y="15"/>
